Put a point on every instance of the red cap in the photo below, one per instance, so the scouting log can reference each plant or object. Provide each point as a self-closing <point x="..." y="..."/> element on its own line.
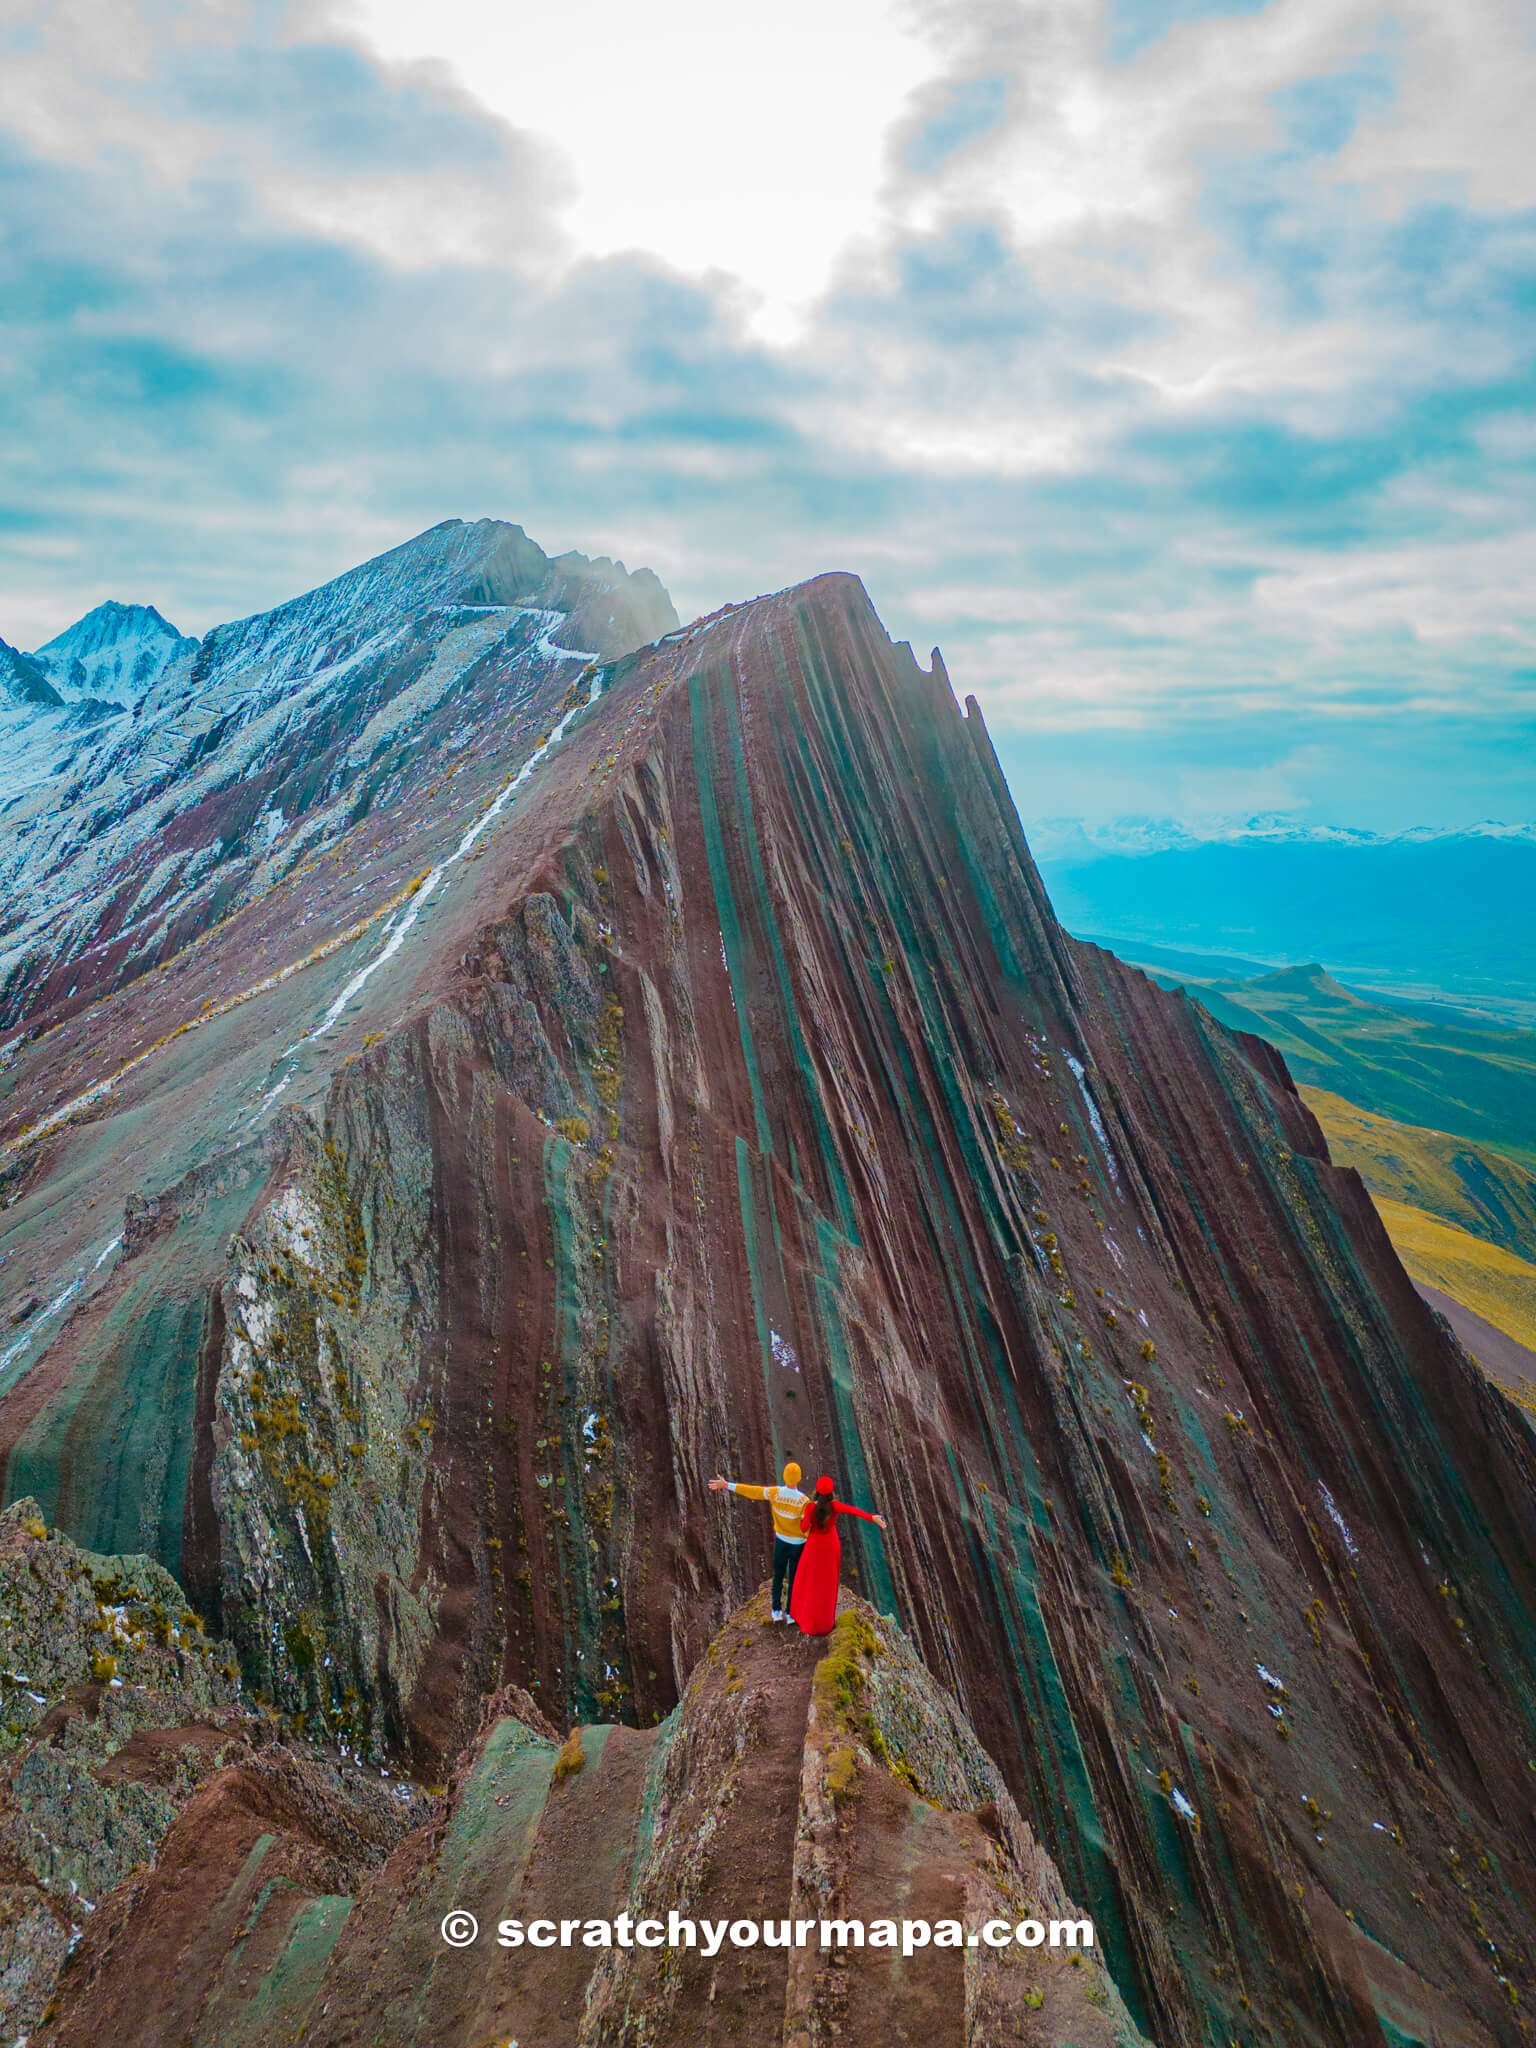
<point x="823" y="1484"/>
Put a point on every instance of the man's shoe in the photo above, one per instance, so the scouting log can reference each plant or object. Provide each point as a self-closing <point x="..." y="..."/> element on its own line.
<point x="776" y="1615"/>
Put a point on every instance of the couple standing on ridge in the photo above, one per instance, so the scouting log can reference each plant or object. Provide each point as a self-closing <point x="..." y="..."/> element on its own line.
<point x="807" y="1550"/>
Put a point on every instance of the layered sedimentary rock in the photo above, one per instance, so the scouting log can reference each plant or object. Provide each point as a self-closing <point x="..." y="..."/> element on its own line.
<point x="787" y="1785"/>
<point x="735" y="1095"/>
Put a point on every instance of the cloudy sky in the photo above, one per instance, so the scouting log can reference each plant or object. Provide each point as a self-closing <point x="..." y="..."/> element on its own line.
<point x="1168" y="363"/>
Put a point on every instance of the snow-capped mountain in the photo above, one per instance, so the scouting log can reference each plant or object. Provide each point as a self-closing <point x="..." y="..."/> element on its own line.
<point x="114" y="655"/>
<point x="1280" y="828"/>
<point x="395" y="689"/>
<point x="1066" y="840"/>
<point x="1078" y="839"/>
<point x="1486" y="828"/>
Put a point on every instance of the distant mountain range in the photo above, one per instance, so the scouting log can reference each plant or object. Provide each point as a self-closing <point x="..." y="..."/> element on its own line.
<point x="1425" y="914"/>
<point x="1079" y="839"/>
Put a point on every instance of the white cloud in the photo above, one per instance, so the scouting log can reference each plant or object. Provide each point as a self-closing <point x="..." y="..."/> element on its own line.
<point x="1463" y="113"/>
<point x="1112" y="377"/>
<point x="717" y="139"/>
<point x="1445" y="591"/>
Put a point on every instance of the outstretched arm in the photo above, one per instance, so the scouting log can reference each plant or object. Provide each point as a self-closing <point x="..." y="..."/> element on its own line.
<point x="719" y="1485"/>
<point x="845" y="1508"/>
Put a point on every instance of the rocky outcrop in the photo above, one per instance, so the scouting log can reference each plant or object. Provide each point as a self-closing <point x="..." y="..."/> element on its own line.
<point x="794" y="1781"/>
<point x="737" y="1095"/>
<point x="121" y="1721"/>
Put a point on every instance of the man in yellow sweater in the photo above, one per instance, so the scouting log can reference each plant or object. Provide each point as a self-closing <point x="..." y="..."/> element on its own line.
<point x="788" y="1504"/>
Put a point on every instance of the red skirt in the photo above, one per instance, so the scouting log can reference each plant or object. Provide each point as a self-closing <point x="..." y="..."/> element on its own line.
<point x="813" y="1597"/>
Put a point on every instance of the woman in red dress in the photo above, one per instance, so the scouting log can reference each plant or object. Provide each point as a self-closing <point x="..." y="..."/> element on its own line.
<point x="813" y="1597"/>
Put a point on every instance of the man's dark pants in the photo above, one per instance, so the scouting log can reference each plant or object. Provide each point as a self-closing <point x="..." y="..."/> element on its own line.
<point x="785" y="1557"/>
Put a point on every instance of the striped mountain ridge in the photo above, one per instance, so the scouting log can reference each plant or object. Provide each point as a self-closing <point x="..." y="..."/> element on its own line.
<point x="678" y="1067"/>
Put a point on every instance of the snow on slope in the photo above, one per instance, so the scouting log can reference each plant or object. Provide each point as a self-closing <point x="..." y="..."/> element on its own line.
<point x="254" y="748"/>
<point x="23" y="686"/>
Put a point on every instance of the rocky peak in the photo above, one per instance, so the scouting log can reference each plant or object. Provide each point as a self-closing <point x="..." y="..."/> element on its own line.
<point x="114" y="654"/>
<point x="484" y="565"/>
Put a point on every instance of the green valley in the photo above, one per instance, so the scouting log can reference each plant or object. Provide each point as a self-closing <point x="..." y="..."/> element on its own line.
<point x="1426" y="1064"/>
<point x="1433" y="1107"/>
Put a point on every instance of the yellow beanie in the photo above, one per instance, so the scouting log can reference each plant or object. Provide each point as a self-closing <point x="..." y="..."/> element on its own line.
<point x="791" y="1474"/>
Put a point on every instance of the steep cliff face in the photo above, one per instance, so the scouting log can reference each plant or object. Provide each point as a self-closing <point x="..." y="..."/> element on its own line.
<point x="735" y="1095"/>
<point x="785" y="1787"/>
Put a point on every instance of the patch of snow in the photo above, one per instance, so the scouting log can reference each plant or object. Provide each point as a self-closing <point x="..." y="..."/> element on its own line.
<point x="782" y="1353"/>
<point x="1080" y="1075"/>
<point x="405" y="918"/>
<point x="1338" y="1521"/>
<point x="59" y="1302"/>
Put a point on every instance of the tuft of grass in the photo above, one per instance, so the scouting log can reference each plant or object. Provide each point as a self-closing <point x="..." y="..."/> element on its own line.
<point x="843" y="1773"/>
<point x="572" y="1758"/>
<point x="838" y="1684"/>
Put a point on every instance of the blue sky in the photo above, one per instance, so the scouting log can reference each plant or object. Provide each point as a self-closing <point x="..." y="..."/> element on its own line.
<point x="1169" y="365"/>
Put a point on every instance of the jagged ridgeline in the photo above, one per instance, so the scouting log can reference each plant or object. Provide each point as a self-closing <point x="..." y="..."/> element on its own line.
<point x="585" y="1066"/>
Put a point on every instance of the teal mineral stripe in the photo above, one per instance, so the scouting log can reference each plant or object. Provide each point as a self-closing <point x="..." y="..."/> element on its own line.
<point x="579" y="1603"/>
<point x="286" y="1993"/>
<point x="243" y="2015"/>
<point x="940" y="790"/>
<point x="1395" y="2035"/>
<point x="497" y="1816"/>
<point x="842" y="1200"/>
<point x="650" y="1798"/>
<point x="754" y="1273"/>
<point x="1014" y="1555"/>
<point x="725" y="899"/>
<point x="943" y="1216"/>
<point x="110" y="1460"/>
<point x="827" y="1287"/>
<point x="489" y="1840"/>
<point x="1078" y="1845"/>
<point x="1171" y="1839"/>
